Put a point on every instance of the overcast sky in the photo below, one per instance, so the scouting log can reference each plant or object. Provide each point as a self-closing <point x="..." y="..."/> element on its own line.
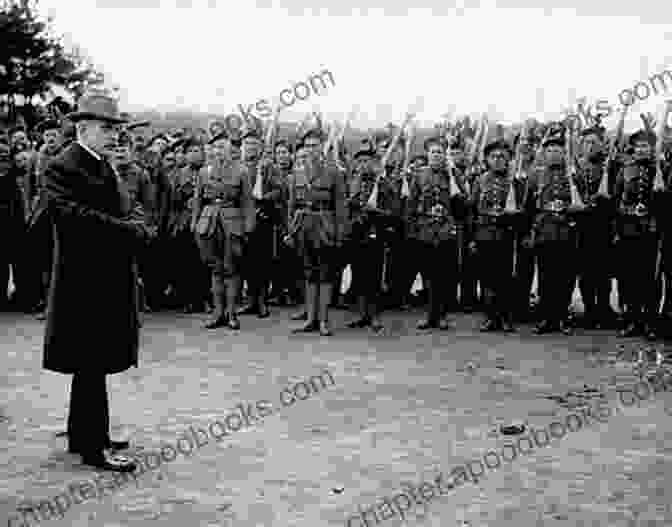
<point x="515" y="59"/>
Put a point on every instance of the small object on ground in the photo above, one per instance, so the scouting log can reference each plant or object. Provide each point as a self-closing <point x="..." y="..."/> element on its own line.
<point x="338" y="490"/>
<point x="513" y="429"/>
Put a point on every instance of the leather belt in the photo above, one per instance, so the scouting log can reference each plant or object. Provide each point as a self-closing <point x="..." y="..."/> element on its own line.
<point x="320" y="207"/>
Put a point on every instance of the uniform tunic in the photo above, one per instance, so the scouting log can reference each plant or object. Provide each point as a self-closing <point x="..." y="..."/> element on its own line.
<point x="493" y="232"/>
<point x="595" y="232"/>
<point x="639" y="210"/>
<point x="318" y="215"/>
<point x="187" y="272"/>
<point x="434" y="217"/>
<point x="369" y="230"/>
<point x="227" y="216"/>
<point x="554" y="237"/>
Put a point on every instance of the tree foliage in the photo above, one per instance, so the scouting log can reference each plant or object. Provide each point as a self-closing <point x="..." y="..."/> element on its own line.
<point x="33" y="60"/>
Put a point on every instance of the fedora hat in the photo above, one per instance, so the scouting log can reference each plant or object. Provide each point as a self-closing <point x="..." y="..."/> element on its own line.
<point x="97" y="106"/>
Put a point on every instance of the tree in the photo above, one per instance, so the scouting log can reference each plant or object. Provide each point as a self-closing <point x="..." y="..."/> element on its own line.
<point x="34" y="60"/>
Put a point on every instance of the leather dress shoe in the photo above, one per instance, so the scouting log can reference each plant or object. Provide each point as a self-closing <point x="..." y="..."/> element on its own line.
<point x="427" y="324"/>
<point x="300" y="316"/>
<point x="233" y="322"/>
<point x="110" y="445"/>
<point x="507" y="326"/>
<point x="264" y="312"/>
<point x="566" y="328"/>
<point x="112" y="463"/>
<point x="445" y="324"/>
<point x="377" y="327"/>
<point x="631" y="330"/>
<point x="41" y="316"/>
<point x="250" y="309"/>
<point x="309" y="327"/>
<point x="325" y="330"/>
<point x="489" y="325"/>
<point x="545" y="326"/>
<point x="362" y="322"/>
<point x="218" y="322"/>
<point x="650" y="333"/>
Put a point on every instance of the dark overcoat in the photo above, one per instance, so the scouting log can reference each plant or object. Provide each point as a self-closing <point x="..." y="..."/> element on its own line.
<point x="92" y="316"/>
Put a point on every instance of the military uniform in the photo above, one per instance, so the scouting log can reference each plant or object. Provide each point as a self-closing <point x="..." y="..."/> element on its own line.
<point x="554" y="236"/>
<point x="40" y="230"/>
<point x="186" y="266"/>
<point x="494" y="228"/>
<point x="666" y="256"/>
<point x="469" y="266"/>
<point x="595" y="230"/>
<point x="370" y="231"/>
<point x="525" y="260"/>
<point x="434" y="215"/>
<point x="639" y="212"/>
<point x="11" y="218"/>
<point x="226" y="216"/>
<point x="287" y="278"/>
<point x="263" y="247"/>
<point x="397" y="274"/>
<point x="138" y="185"/>
<point x="317" y="227"/>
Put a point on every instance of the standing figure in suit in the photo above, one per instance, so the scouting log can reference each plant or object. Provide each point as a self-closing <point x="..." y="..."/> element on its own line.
<point x="96" y="239"/>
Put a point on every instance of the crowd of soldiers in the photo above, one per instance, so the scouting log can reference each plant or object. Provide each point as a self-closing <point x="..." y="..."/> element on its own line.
<point x="244" y="216"/>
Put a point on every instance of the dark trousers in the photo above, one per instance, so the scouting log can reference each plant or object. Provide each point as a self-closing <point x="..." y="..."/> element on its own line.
<point x="469" y="274"/>
<point x="438" y="267"/>
<point x="524" y="276"/>
<point x="557" y="278"/>
<point x="152" y="263"/>
<point x="89" y="417"/>
<point x="189" y="275"/>
<point x="367" y="269"/>
<point x="495" y="260"/>
<point x="594" y="277"/>
<point x="637" y="280"/>
<point x="259" y="261"/>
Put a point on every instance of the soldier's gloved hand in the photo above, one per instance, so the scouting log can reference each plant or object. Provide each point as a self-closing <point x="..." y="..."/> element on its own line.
<point x="473" y="247"/>
<point x="527" y="243"/>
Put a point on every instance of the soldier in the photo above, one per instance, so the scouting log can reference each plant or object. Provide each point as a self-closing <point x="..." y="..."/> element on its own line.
<point x="436" y="204"/>
<point x="666" y="249"/>
<point x="369" y="224"/>
<point x="392" y="229"/>
<point x="493" y="226"/>
<point x="554" y="239"/>
<point x="526" y="187"/>
<point x="140" y="189"/>
<point x="10" y="217"/>
<point x="318" y="220"/>
<point x="639" y="214"/>
<point x="189" y="277"/>
<point x="258" y="251"/>
<point x="39" y="223"/>
<point x="225" y="218"/>
<point x="287" y="277"/>
<point x="469" y="263"/>
<point x="595" y="229"/>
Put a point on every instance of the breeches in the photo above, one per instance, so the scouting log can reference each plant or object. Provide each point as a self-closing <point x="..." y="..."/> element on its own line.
<point x="222" y="252"/>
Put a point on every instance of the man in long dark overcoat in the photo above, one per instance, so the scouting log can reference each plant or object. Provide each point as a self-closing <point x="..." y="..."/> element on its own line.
<point x="96" y="239"/>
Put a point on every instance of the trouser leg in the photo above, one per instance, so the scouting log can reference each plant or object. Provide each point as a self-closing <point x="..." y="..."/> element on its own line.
<point x="88" y="418"/>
